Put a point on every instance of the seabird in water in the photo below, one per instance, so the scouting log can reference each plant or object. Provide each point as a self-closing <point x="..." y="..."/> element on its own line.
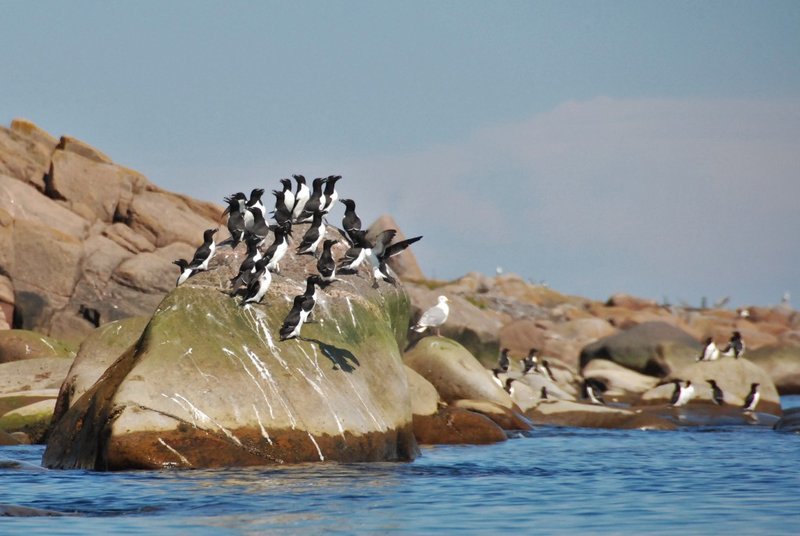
<point x="735" y="346"/>
<point x="204" y="254"/>
<point x="710" y="351"/>
<point x="433" y="317"/>
<point x="716" y="393"/>
<point x="752" y="398"/>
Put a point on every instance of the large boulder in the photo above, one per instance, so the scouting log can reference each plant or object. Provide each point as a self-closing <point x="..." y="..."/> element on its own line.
<point x="619" y="381"/>
<point x="454" y="372"/>
<point x="568" y="413"/>
<point x="653" y="348"/>
<point x="782" y="363"/>
<point x="208" y="383"/>
<point x="19" y="344"/>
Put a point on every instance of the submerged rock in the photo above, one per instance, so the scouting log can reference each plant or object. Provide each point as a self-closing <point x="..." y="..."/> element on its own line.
<point x="209" y="384"/>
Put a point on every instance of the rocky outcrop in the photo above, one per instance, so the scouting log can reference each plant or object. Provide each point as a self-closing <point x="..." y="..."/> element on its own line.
<point x="782" y="363"/>
<point x="653" y="348"/>
<point x="567" y="413"/>
<point x="64" y="203"/>
<point x="209" y="384"/>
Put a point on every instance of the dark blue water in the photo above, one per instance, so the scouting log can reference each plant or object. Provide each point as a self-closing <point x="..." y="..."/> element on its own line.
<point x="738" y="479"/>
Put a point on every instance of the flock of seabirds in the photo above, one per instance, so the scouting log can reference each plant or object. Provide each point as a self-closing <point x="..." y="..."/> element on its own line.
<point x="247" y="222"/>
<point x="591" y="389"/>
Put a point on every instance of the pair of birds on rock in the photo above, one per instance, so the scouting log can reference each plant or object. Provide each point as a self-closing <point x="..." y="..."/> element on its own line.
<point x="735" y="348"/>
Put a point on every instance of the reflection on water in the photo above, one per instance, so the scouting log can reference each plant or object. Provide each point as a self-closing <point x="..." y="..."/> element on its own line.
<point x="733" y="479"/>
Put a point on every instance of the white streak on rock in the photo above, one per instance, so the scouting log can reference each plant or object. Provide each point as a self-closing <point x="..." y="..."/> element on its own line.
<point x="321" y="457"/>
<point x="350" y="307"/>
<point x="327" y="400"/>
<point x="264" y="433"/>
<point x="180" y="456"/>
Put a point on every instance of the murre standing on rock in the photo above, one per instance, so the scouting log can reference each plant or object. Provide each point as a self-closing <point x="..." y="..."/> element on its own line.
<point x="235" y="221"/>
<point x="543" y="393"/>
<point x="509" y="387"/>
<point x="205" y="252"/>
<point x="503" y="361"/>
<point x="531" y="361"/>
<point x="735" y="346"/>
<point x="433" y="317"/>
<point x="302" y="307"/>
<point x="255" y="200"/>
<point x="751" y="401"/>
<point x="259" y="283"/>
<point x="300" y="197"/>
<point x="287" y="200"/>
<point x="350" y="222"/>
<point x="381" y="273"/>
<point x="186" y="271"/>
<point x="382" y="251"/>
<point x="277" y="250"/>
<point x="682" y="394"/>
<point x="313" y="236"/>
<point x="260" y="227"/>
<point x="315" y="202"/>
<point x="357" y="252"/>
<point x="716" y="393"/>
<point x="326" y="266"/>
<point x="710" y="351"/>
<point x="592" y="393"/>
<point x="330" y="193"/>
<point x="247" y="267"/>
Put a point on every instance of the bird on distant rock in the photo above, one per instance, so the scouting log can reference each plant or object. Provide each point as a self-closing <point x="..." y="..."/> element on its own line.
<point x="204" y="254"/>
<point x="735" y="346"/>
<point x="433" y="317"/>
<point x="301" y="196"/>
<point x="531" y="361"/>
<point x="682" y="394"/>
<point x="186" y="271"/>
<point x="716" y="393"/>
<point x="592" y="392"/>
<point x="751" y="401"/>
<point x="710" y="351"/>
<point x="503" y="361"/>
<point x="313" y="236"/>
<point x="548" y="371"/>
<point x="543" y="393"/>
<point x="509" y="386"/>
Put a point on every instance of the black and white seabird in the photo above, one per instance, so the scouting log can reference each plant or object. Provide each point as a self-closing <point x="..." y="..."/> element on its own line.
<point x="433" y="317"/>
<point x="235" y="221"/>
<point x="282" y="215"/>
<point x="682" y="393"/>
<point x="716" y="393"/>
<point x="509" y="387"/>
<point x="259" y="283"/>
<point x="503" y="361"/>
<point x="260" y="228"/>
<point x="300" y="197"/>
<point x="358" y="251"/>
<point x="313" y="236"/>
<point x="302" y="307"/>
<point x="735" y="346"/>
<point x="204" y="254"/>
<point x="326" y="265"/>
<point x="496" y="377"/>
<point x="379" y="254"/>
<point x="288" y="197"/>
<point x="276" y="251"/>
<point x="330" y="193"/>
<point x="381" y="273"/>
<point x="710" y="351"/>
<point x="543" y="393"/>
<point x="350" y="222"/>
<point x="255" y="200"/>
<point x="592" y="392"/>
<point x="752" y="398"/>
<point x="241" y="207"/>
<point x="186" y="271"/>
<point x="248" y="265"/>
<point x="315" y="202"/>
<point x="531" y="361"/>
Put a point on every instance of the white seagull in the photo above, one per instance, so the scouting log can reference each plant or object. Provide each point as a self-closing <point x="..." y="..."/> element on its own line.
<point x="433" y="317"/>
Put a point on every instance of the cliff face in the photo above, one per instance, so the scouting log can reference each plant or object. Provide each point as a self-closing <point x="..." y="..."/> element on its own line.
<point x="84" y="241"/>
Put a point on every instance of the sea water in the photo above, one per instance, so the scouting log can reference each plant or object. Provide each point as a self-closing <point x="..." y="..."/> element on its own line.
<point x="712" y="480"/>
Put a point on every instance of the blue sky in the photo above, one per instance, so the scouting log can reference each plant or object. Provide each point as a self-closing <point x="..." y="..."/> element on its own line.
<point x="645" y="147"/>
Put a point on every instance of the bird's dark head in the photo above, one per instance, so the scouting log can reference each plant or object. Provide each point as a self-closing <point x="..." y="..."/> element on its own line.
<point x="532" y="352"/>
<point x="287" y="184"/>
<point x="209" y="233"/>
<point x="329" y="243"/>
<point x="181" y="263"/>
<point x="312" y="280"/>
<point x="300" y="179"/>
<point x="331" y="179"/>
<point x="504" y="351"/>
<point x="712" y="383"/>
<point x="688" y="383"/>
<point x="279" y="195"/>
<point x="317" y="183"/>
<point x="256" y="194"/>
<point x="709" y="340"/>
<point x="349" y="203"/>
<point x="754" y="385"/>
<point x="737" y="335"/>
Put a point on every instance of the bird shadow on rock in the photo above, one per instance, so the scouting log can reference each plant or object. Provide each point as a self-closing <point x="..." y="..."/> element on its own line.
<point x="341" y="358"/>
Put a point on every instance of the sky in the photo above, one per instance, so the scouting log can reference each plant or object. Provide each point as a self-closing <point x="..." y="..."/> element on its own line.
<point x="644" y="147"/>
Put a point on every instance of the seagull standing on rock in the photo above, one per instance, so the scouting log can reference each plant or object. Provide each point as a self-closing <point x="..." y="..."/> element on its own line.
<point x="433" y="317"/>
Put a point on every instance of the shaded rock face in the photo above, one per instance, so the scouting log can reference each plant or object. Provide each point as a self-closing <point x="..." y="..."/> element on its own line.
<point x="111" y="233"/>
<point x="782" y="363"/>
<point x="653" y="348"/>
<point x="208" y="383"/>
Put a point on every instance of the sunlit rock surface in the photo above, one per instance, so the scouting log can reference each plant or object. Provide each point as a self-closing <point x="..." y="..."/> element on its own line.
<point x="209" y="383"/>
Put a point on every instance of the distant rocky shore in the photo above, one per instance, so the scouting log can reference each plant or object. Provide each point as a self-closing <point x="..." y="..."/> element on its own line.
<point x="111" y="365"/>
